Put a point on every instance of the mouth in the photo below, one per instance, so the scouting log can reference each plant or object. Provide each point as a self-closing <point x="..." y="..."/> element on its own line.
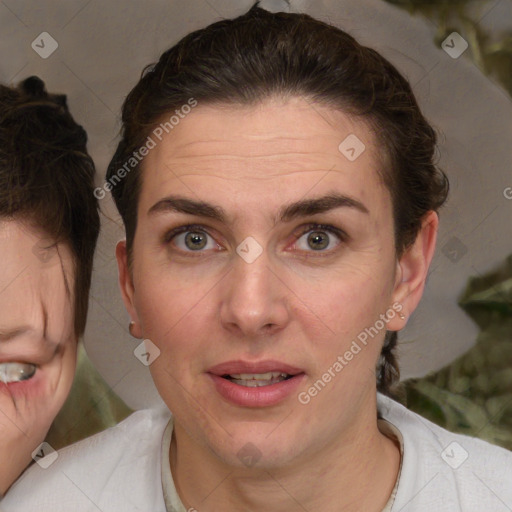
<point x="255" y="384"/>
<point x="256" y="380"/>
<point x="20" y="379"/>
<point x="262" y="371"/>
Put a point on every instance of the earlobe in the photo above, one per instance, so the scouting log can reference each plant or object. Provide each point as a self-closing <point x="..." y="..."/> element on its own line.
<point x="413" y="270"/>
<point x="127" y="288"/>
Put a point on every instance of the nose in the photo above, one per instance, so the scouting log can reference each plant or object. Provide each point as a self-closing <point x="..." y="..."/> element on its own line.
<point x="255" y="301"/>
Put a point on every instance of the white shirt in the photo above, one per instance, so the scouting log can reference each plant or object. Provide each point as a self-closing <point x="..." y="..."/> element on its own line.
<point x="126" y="468"/>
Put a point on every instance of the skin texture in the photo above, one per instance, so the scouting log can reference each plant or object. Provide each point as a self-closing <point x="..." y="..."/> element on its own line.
<point x="35" y="298"/>
<point x="293" y="304"/>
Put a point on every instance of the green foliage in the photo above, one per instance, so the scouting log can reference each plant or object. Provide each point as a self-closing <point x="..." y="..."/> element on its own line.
<point x="491" y="53"/>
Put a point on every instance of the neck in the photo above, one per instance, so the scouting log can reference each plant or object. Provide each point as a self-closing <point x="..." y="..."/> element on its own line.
<point x="356" y="470"/>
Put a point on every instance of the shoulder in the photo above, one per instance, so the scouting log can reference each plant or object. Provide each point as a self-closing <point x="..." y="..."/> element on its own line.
<point x="115" y="470"/>
<point x="442" y="470"/>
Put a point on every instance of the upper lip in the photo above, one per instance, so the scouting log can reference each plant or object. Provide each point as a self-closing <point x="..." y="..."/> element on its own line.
<point x="230" y="367"/>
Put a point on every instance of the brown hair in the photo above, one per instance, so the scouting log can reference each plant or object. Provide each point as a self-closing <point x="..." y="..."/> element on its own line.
<point x="244" y="60"/>
<point x="47" y="177"/>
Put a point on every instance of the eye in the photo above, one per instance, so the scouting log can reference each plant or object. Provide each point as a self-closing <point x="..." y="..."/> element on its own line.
<point x="194" y="238"/>
<point x="16" y="372"/>
<point x="190" y="238"/>
<point x="319" y="238"/>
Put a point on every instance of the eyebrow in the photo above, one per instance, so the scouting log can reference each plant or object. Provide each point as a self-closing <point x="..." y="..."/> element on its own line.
<point x="15" y="332"/>
<point x="6" y="335"/>
<point x="287" y="213"/>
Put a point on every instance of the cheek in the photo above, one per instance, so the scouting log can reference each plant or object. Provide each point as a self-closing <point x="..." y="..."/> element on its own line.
<point x="169" y="307"/>
<point x="346" y="308"/>
<point x="33" y="404"/>
<point x="348" y="299"/>
<point x="357" y="301"/>
<point x="179" y="317"/>
<point x="28" y="407"/>
<point x="29" y="391"/>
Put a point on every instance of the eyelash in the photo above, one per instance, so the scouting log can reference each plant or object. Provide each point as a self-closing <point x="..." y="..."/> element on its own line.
<point x="168" y="237"/>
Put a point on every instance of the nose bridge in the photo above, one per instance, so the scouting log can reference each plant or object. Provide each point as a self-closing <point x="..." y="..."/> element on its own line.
<point x="255" y="300"/>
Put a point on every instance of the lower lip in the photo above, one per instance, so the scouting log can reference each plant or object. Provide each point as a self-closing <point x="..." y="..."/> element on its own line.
<point x="24" y="388"/>
<point x="263" y="396"/>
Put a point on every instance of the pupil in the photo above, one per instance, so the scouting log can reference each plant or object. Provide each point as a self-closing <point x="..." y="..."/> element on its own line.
<point x="194" y="238"/>
<point x="317" y="237"/>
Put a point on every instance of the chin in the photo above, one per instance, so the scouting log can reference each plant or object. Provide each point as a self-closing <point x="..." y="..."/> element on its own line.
<point x="256" y="448"/>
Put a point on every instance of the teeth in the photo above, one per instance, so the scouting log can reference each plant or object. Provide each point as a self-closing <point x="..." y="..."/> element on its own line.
<point x="256" y="380"/>
<point x="257" y="376"/>
<point x="16" y="372"/>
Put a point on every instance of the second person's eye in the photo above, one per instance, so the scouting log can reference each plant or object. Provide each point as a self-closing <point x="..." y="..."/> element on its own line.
<point x="16" y="372"/>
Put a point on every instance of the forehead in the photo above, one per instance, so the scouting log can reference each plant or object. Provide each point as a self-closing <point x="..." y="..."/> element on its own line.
<point x="278" y="146"/>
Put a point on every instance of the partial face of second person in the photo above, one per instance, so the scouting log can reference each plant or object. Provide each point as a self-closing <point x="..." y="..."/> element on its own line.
<point x="37" y="341"/>
<point x="295" y="307"/>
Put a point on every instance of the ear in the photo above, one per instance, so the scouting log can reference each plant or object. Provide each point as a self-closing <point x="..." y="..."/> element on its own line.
<point x="127" y="288"/>
<point x="412" y="270"/>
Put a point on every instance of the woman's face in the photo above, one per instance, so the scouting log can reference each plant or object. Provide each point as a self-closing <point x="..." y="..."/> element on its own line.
<point x="252" y="286"/>
<point x="37" y="342"/>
